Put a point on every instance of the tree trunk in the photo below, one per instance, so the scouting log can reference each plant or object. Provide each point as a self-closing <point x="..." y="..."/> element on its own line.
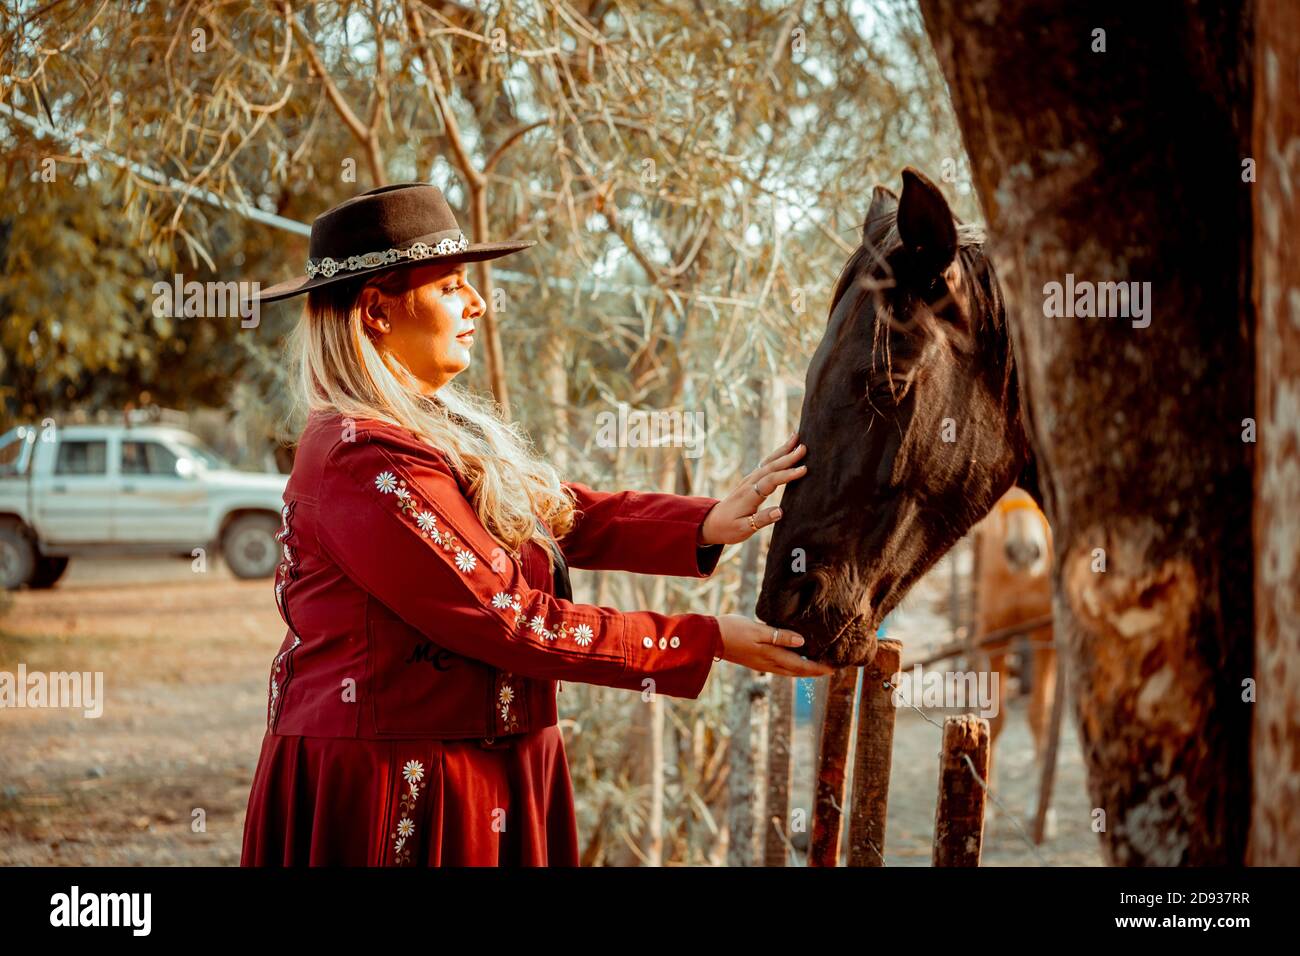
<point x="655" y="824"/>
<point x="1275" y="834"/>
<point x="1124" y="164"/>
<point x="781" y="724"/>
<point x="748" y="718"/>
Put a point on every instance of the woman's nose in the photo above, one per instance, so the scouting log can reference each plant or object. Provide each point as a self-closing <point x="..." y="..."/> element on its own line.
<point x="477" y="305"/>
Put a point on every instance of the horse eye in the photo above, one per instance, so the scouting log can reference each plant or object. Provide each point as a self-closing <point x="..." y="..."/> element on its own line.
<point x="876" y="389"/>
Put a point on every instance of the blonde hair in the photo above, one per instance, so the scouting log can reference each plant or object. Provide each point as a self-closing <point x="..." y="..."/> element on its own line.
<point x="340" y="369"/>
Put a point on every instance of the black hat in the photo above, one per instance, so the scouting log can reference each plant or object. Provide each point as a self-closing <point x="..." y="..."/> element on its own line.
<point x="385" y="228"/>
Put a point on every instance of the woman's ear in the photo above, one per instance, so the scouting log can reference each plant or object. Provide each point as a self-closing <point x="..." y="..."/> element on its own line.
<point x="374" y="310"/>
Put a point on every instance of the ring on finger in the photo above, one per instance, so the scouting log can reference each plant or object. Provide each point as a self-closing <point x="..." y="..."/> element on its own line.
<point x="752" y="524"/>
<point x="758" y="491"/>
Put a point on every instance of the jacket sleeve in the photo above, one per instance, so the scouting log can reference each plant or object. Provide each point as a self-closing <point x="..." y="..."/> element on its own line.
<point x="639" y="531"/>
<point x="394" y="518"/>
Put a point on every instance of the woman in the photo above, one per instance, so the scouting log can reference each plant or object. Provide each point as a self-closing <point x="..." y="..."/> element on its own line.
<point x="412" y="706"/>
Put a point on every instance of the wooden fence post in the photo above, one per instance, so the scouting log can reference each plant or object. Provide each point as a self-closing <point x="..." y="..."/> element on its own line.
<point x="828" y="801"/>
<point x="874" y="757"/>
<point x="1047" y="772"/>
<point x="959" y="818"/>
<point x="780" y="772"/>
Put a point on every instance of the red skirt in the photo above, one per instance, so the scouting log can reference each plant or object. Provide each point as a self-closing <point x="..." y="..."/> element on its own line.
<point x="355" y="802"/>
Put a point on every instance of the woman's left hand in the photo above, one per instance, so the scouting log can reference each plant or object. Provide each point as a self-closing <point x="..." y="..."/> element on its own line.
<point x="737" y="516"/>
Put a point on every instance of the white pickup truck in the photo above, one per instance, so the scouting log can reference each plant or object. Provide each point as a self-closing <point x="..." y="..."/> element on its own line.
<point x="68" y="490"/>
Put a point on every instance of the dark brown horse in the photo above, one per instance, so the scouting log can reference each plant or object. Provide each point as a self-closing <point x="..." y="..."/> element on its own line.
<point x="911" y="415"/>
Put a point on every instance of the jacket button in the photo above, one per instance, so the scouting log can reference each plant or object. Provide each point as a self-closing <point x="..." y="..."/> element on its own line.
<point x="674" y="641"/>
<point x="663" y="643"/>
<point x="648" y="641"/>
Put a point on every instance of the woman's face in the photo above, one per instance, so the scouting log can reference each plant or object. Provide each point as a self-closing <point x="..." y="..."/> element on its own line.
<point x="430" y="328"/>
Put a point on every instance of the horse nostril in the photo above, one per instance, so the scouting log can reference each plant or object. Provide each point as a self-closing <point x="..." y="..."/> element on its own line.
<point x="796" y="601"/>
<point x="789" y="605"/>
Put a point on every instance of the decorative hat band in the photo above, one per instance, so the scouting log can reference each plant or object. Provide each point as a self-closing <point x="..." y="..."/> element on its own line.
<point x="328" y="267"/>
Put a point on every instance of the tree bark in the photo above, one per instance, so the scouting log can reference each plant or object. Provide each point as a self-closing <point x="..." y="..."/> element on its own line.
<point x="1124" y="165"/>
<point x="781" y="722"/>
<point x="751" y="700"/>
<point x="1275" y="826"/>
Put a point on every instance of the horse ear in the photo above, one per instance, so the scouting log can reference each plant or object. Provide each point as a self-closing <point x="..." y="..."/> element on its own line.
<point x="883" y="202"/>
<point x="925" y="224"/>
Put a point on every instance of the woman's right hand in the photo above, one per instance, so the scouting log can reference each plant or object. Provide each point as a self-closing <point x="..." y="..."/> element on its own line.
<point x="751" y="643"/>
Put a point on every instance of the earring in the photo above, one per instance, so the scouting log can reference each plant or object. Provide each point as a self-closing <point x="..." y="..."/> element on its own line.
<point x="383" y="327"/>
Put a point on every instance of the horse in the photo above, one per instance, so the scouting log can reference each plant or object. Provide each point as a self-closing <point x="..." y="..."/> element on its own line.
<point x="913" y="425"/>
<point x="1013" y="586"/>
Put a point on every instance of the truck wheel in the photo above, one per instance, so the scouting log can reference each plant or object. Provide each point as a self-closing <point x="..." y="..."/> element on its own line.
<point x="249" y="546"/>
<point x="17" y="556"/>
<point x="48" y="571"/>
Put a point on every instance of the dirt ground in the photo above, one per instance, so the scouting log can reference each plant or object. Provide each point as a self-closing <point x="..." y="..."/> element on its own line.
<point x="185" y="659"/>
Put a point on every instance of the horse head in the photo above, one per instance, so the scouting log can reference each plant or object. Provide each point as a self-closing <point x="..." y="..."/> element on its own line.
<point x="911" y="416"/>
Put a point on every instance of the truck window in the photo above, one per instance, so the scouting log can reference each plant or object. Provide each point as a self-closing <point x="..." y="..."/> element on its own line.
<point x="13" y="445"/>
<point x="147" y="458"/>
<point x="82" y="458"/>
<point x="204" y="454"/>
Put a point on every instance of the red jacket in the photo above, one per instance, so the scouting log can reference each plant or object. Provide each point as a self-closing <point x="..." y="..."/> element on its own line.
<point x="408" y="619"/>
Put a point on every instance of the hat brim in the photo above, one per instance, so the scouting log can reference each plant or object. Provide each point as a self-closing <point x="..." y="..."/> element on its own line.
<point x="475" y="253"/>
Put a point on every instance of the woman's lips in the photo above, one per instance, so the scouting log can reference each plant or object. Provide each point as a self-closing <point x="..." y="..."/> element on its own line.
<point x="466" y="335"/>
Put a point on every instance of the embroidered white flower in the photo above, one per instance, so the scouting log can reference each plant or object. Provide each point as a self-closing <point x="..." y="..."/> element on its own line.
<point x="402" y="494"/>
<point x="413" y="772"/>
<point x="426" y="521"/>
<point x="538" y="625"/>
<point x="501" y="600"/>
<point x="401" y="842"/>
<point x="386" y="482"/>
<point x="507" y="695"/>
<point x="405" y="827"/>
<point x="582" y="634"/>
<point x="465" y="561"/>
